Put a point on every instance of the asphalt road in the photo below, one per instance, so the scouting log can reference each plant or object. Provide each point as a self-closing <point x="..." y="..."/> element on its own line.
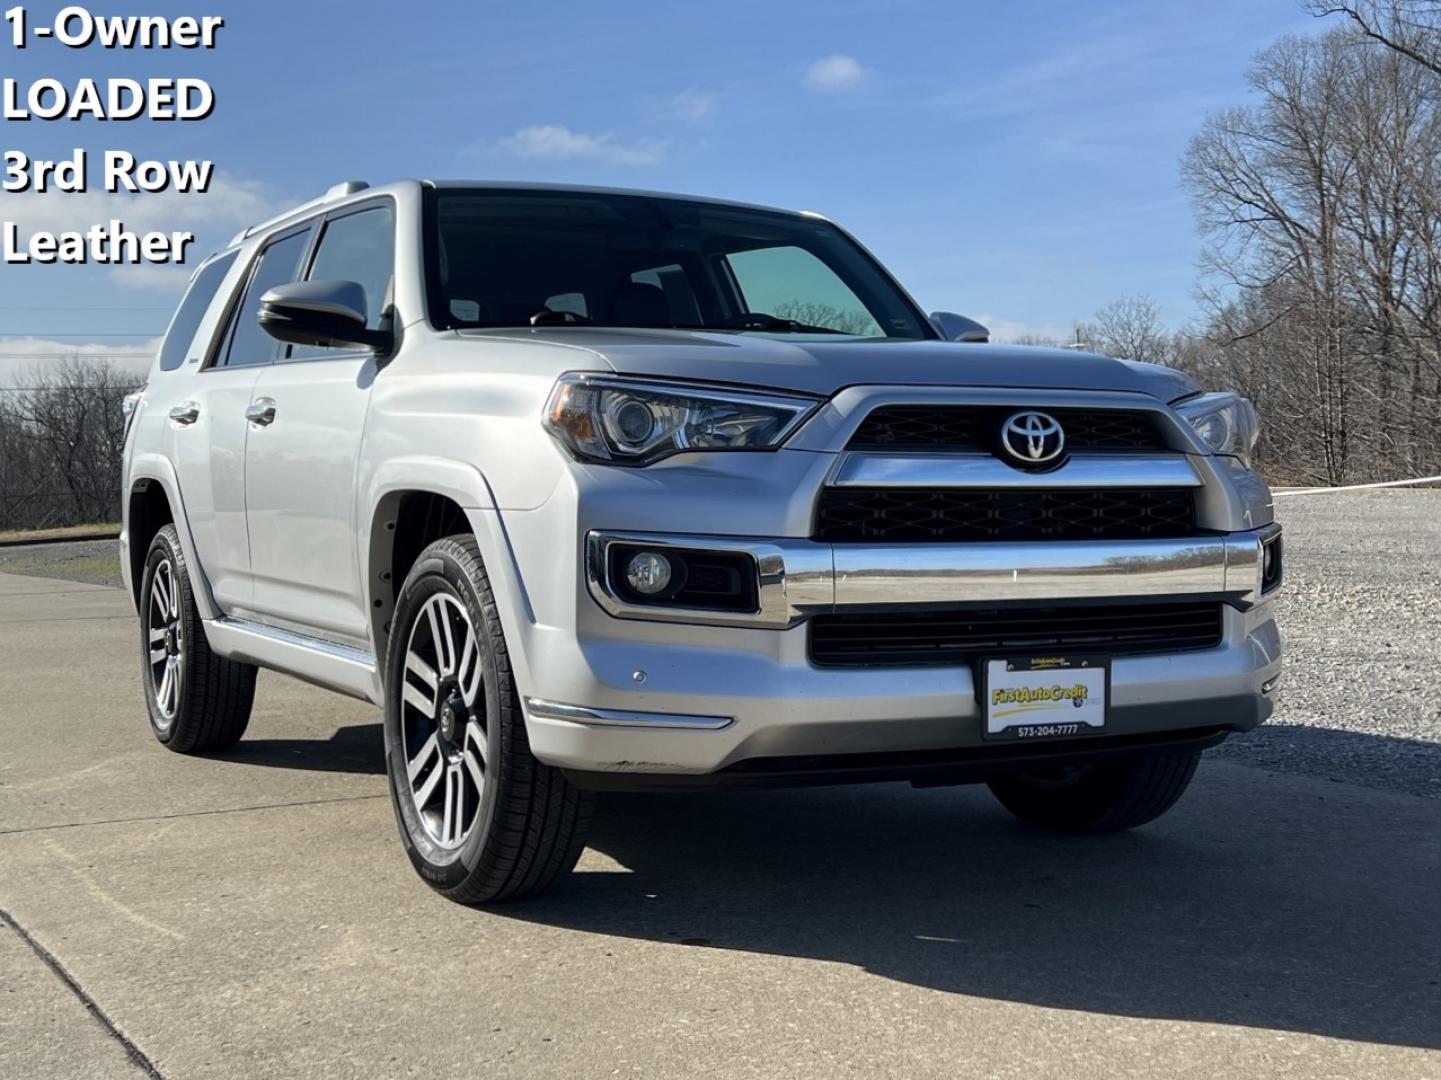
<point x="254" y="916"/>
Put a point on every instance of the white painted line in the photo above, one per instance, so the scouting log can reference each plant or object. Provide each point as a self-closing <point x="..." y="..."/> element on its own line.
<point x="1358" y="487"/>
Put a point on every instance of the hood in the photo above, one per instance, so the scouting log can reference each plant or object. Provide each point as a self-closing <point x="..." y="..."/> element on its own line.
<point x="823" y="367"/>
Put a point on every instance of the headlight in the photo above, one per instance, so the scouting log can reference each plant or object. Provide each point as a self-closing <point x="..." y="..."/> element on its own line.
<point x="1226" y="423"/>
<point x="632" y="422"/>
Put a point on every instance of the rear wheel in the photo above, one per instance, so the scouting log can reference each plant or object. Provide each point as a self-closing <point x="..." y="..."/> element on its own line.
<point x="197" y="700"/>
<point x="481" y="819"/>
<point x="1106" y="797"/>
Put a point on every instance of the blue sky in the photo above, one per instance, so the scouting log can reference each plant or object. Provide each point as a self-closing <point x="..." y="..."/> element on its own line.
<point x="1015" y="162"/>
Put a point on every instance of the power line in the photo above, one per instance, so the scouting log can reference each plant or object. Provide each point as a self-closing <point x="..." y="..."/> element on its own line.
<point x="75" y="333"/>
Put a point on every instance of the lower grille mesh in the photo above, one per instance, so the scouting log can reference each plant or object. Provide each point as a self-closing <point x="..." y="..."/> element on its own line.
<point x="954" y="637"/>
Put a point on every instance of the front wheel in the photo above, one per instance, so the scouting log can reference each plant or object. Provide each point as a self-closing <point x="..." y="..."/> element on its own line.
<point x="481" y="819"/>
<point x="1106" y="797"/>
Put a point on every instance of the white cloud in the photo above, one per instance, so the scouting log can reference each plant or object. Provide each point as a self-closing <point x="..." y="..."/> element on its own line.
<point x="834" y="73"/>
<point x="21" y="358"/>
<point x="230" y="203"/>
<point x="1009" y="330"/>
<point x="557" y="142"/>
<point x="693" y="106"/>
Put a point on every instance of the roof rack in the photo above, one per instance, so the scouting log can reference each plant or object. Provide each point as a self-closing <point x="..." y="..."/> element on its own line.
<point x="339" y="191"/>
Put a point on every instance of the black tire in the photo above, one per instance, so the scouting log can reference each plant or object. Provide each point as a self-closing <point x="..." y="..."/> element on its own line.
<point x="515" y="825"/>
<point x="206" y="703"/>
<point x="1100" y="798"/>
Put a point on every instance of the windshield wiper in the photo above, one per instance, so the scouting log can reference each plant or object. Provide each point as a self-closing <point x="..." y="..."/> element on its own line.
<point x="760" y="320"/>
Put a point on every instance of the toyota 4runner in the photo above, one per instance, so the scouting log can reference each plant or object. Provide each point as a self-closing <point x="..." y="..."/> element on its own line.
<point x="592" y="489"/>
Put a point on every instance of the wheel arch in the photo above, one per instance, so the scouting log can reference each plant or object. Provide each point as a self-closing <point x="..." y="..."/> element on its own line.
<point x="152" y="501"/>
<point x="413" y="502"/>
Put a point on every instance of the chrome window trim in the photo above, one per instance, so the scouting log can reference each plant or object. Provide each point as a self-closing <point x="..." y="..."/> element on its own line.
<point x="932" y="469"/>
<point x="801" y="578"/>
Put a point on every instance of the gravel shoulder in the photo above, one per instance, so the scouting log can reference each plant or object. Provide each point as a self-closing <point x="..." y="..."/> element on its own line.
<point x="94" y="562"/>
<point x="1360" y="614"/>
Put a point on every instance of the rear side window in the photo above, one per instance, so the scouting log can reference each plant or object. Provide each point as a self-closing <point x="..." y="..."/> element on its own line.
<point x="192" y="310"/>
<point x="357" y="247"/>
<point x="279" y="264"/>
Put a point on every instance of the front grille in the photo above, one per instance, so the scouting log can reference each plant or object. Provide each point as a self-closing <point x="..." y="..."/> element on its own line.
<point x="976" y="428"/>
<point x="963" y="514"/>
<point x="956" y="637"/>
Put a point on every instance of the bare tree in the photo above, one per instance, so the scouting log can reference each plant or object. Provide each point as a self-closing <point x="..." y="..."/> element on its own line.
<point x="1411" y="28"/>
<point x="814" y="313"/>
<point x="61" y="441"/>
<point x="1130" y="329"/>
<point x="1324" y="268"/>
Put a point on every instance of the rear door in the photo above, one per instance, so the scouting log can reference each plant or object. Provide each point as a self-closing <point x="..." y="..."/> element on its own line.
<point x="209" y="425"/>
<point x="302" y="454"/>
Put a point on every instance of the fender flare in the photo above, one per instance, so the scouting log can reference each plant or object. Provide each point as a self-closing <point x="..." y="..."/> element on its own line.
<point x="459" y="481"/>
<point x="157" y="469"/>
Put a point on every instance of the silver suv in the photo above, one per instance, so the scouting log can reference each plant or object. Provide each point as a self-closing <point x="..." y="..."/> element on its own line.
<point x="593" y="489"/>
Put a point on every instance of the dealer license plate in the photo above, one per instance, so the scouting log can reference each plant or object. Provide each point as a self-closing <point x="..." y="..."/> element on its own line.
<point x="1045" y="697"/>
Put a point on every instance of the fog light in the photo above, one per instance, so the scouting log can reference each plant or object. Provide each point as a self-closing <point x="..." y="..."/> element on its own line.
<point x="648" y="572"/>
<point x="1271" y="565"/>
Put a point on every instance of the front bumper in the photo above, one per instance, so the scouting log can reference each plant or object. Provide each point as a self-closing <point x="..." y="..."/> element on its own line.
<point x="703" y="708"/>
<point x="630" y="693"/>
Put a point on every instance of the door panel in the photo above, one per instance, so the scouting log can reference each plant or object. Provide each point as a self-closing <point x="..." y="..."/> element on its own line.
<point x="210" y="449"/>
<point x="209" y="454"/>
<point x="300" y="484"/>
<point x="302" y="458"/>
<point x="197" y="410"/>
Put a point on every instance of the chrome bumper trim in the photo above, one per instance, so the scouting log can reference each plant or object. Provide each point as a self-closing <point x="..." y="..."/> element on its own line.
<point x="553" y="710"/>
<point x="801" y="578"/>
<point x="867" y="468"/>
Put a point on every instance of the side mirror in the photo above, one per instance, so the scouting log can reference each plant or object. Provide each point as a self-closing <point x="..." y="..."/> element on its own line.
<point x="327" y="313"/>
<point x="954" y="327"/>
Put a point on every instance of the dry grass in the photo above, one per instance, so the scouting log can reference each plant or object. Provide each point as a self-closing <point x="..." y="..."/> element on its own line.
<point x="68" y="532"/>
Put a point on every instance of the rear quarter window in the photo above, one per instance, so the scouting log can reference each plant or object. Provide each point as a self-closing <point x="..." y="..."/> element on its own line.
<point x="192" y="311"/>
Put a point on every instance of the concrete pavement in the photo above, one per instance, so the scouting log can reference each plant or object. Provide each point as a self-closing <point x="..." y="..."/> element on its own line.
<point x="254" y="916"/>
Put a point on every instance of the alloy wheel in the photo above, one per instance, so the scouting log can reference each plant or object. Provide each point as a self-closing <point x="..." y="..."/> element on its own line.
<point x="443" y="720"/>
<point x="166" y="639"/>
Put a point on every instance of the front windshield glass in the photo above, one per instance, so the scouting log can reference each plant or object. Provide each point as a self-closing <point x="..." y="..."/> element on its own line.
<point x="539" y="258"/>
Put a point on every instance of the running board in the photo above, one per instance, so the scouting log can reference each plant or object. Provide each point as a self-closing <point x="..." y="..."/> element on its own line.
<point x="324" y="663"/>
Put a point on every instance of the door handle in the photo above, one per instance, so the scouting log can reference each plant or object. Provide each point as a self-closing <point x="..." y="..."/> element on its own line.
<point x="187" y="412"/>
<point x="261" y="411"/>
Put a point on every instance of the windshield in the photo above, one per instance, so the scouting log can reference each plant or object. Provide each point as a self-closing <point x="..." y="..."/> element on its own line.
<point x="541" y="258"/>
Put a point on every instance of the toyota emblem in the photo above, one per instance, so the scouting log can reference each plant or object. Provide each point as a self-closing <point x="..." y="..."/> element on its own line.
<point x="1033" y="438"/>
